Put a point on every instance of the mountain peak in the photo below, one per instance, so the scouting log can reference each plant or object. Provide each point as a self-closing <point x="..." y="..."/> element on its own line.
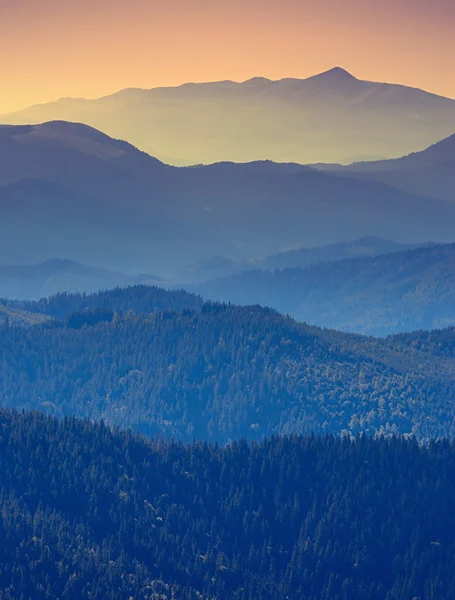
<point x="256" y="81"/>
<point x="336" y="74"/>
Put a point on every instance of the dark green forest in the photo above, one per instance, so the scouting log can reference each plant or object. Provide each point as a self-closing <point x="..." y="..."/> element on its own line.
<point x="87" y="512"/>
<point x="223" y="372"/>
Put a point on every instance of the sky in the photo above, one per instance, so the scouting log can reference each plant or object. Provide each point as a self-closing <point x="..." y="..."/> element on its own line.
<point x="89" y="48"/>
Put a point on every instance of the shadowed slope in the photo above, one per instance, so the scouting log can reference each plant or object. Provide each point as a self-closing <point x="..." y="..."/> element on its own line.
<point x="68" y="190"/>
<point x="429" y="172"/>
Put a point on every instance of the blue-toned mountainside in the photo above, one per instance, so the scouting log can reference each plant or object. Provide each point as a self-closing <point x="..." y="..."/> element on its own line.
<point x="77" y="309"/>
<point x="218" y="372"/>
<point x="431" y="171"/>
<point x="32" y="282"/>
<point x="91" y="513"/>
<point x="301" y="257"/>
<point x="379" y="295"/>
<point x="69" y="190"/>
<point x="331" y="117"/>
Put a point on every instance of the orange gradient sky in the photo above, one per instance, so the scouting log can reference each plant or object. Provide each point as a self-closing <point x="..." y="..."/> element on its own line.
<point x="88" y="48"/>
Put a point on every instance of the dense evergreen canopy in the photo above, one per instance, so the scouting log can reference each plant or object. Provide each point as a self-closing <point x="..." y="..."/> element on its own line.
<point x="223" y="372"/>
<point x="86" y="512"/>
<point x="141" y="299"/>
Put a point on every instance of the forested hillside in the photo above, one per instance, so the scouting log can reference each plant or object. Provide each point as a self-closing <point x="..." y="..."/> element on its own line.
<point x="141" y="299"/>
<point x="12" y="315"/>
<point x="89" y="513"/>
<point x="392" y="293"/>
<point x="223" y="372"/>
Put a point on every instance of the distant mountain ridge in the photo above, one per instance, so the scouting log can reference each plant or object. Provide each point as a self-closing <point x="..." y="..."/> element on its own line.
<point x="431" y="171"/>
<point x="33" y="282"/>
<point x="301" y="257"/>
<point x="68" y="190"/>
<point x="291" y="120"/>
<point x="381" y="295"/>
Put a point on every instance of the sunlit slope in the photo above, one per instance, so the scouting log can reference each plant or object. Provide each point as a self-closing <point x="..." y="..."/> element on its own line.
<point x="331" y="117"/>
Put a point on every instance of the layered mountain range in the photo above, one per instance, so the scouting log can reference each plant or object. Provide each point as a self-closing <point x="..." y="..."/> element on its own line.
<point x="330" y="117"/>
<point x="379" y="295"/>
<point x="220" y="266"/>
<point x="69" y="190"/>
<point x="294" y="455"/>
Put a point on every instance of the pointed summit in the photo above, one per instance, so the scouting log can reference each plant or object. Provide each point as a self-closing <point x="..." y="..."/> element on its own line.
<point x="337" y="74"/>
<point x="339" y="71"/>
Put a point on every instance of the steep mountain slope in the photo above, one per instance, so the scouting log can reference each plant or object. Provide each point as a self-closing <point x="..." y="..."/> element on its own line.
<point x="33" y="282"/>
<point x="431" y="171"/>
<point x="291" y="120"/>
<point x="68" y="190"/>
<point x="91" y="513"/>
<point x="216" y="267"/>
<point x="220" y="373"/>
<point x="380" y="295"/>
